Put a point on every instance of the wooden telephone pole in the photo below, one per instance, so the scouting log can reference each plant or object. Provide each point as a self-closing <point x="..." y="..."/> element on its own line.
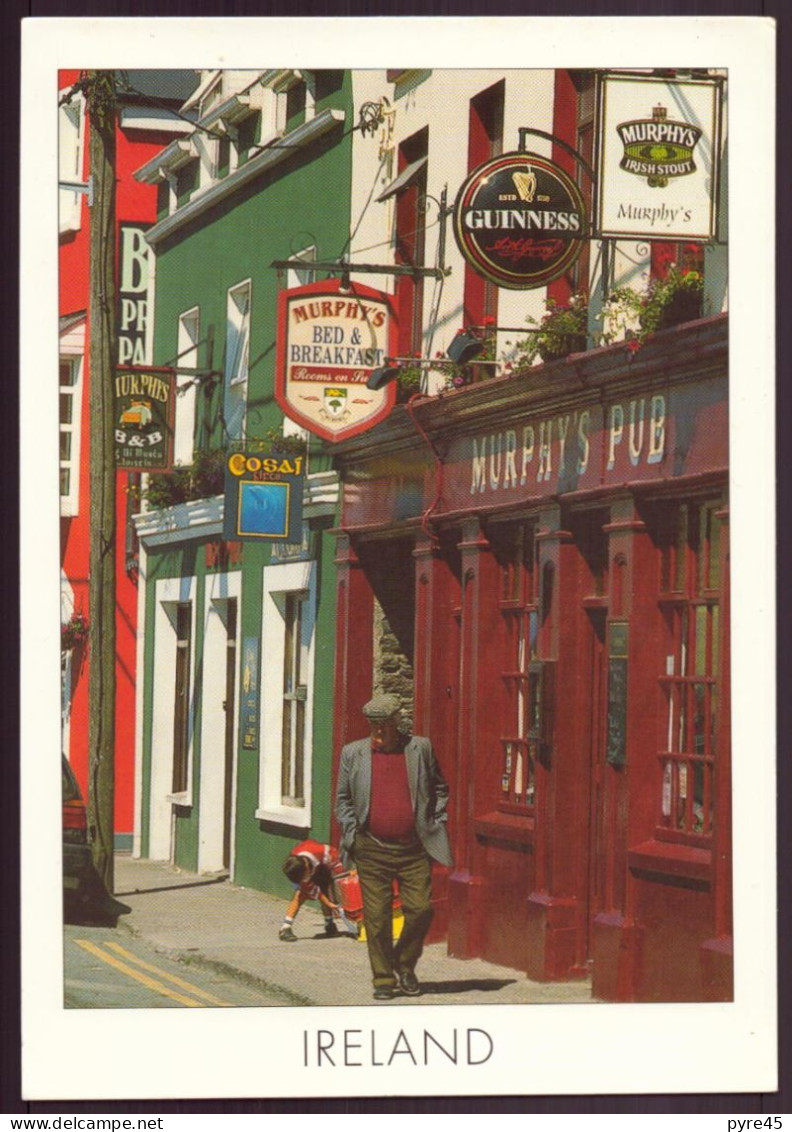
<point x="99" y="89"/>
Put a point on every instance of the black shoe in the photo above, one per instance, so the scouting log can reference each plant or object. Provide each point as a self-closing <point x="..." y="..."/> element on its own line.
<point x="408" y="983"/>
<point x="287" y="935"/>
<point x="383" y="992"/>
<point x="330" y="928"/>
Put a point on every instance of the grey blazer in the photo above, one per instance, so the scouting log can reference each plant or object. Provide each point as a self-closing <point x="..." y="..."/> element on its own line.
<point x="428" y="790"/>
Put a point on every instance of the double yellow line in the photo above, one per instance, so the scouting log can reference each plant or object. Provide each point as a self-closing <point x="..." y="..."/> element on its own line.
<point x="124" y="966"/>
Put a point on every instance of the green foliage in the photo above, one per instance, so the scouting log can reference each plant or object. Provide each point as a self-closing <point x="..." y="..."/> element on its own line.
<point x="74" y="632"/>
<point x="666" y="302"/>
<point x="561" y="331"/>
<point x="203" y="478"/>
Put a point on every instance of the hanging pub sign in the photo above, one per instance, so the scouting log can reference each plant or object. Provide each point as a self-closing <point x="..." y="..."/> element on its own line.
<point x="658" y="157"/>
<point x="133" y="326"/>
<point x="329" y="341"/>
<point x="520" y="221"/>
<point x="263" y="497"/>
<point x="144" y="407"/>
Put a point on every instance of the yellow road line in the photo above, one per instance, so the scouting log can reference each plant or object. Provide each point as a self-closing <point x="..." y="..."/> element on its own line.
<point x="152" y="984"/>
<point x="164" y="974"/>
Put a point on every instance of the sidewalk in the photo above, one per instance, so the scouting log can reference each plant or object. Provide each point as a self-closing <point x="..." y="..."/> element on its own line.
<point x="211" y="922"/>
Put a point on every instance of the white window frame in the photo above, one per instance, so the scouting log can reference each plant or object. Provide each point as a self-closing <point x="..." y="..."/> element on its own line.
<point x="237" y="359"/>
<point x="189" y="335"/>
<point x="71" y="151"/>
<point x="279" y="580"/>
<point x="170" y="592"/>
<point x="70" y="501"/>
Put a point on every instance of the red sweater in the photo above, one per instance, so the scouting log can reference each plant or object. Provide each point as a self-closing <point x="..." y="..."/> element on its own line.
<point x="391" y="813"/>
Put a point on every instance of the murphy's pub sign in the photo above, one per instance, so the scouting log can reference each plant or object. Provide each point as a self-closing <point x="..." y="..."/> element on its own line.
<point x="144" y="410"/>
<point x="659" y="157"/>
<point x="329" y="341"/>
<point x="520" y="220"/>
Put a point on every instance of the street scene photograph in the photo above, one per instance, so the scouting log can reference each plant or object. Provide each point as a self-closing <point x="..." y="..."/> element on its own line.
<point x="394" y="536"/>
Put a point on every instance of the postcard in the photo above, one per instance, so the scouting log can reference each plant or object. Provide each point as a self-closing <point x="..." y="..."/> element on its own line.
<point x="406" y="507"/>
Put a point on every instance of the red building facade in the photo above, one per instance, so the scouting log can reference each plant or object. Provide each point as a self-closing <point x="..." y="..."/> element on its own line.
<point x="145" y="125"/>
<point x="560" y="540"/>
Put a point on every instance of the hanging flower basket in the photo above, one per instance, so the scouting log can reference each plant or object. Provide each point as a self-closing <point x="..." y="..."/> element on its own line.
<point x="74" y="632"/>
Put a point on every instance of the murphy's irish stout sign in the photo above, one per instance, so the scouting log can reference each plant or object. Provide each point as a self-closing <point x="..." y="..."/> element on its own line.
<point x="520" y="220"/>
<point x="659" y="150"/>
<point x="329" y="341"/>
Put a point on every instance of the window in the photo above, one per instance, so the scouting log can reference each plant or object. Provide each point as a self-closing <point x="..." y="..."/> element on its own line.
<point x="70" y="394"/>
<point x="288" y="640"/>
<point x="410" y="242"/>
<point x="71" y="138"/>
<point x="181" y="702"/>
<point x="485" y="140"/>
<point x="236" y="360"/>
<point x="187" y="357"/>
<point x="513" y="546"/>
<point x="584" y="83"/>
<point x="248" y="136"/>
<point x="294" y="696"/>
<point x="690" y="581"/>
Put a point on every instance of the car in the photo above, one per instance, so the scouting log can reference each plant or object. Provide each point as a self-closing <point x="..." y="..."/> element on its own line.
<point x="85" y="898"/>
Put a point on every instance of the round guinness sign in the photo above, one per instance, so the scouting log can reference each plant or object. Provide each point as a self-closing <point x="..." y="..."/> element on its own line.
<point x="520" y="220"/>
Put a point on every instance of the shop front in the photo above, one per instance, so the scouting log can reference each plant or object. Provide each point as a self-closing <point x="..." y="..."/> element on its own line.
<point x="538" y="566"/>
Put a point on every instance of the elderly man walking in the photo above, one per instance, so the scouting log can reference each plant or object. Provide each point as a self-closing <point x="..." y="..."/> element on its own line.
<point x="391" y="804"/>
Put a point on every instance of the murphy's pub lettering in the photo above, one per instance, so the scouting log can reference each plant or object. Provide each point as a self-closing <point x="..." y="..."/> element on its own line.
<point x="561" y="445"/>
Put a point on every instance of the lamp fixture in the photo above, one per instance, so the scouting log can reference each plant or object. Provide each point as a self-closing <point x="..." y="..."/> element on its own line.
<point x="464" y="348"/>
<point x="383" y="376"/>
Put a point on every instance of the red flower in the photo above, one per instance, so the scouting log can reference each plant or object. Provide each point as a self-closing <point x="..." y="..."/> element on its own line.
<point x="633" y="345"/>
<point x="488" y="320"/>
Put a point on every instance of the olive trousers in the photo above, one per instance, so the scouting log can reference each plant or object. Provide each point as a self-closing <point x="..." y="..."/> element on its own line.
<point x="379" y="864"/>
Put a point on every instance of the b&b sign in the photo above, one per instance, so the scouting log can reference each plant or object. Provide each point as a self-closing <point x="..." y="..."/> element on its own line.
<point x="329" y="341"/>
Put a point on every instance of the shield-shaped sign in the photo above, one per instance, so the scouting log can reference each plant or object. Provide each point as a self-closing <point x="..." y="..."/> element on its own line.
<point x="330" y="339"/>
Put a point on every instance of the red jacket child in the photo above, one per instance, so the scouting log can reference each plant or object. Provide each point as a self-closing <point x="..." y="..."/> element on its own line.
<point x="310" y="867"/>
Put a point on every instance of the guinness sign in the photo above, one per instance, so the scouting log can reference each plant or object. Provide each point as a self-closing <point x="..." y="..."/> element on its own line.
<point x="520" y="221"/>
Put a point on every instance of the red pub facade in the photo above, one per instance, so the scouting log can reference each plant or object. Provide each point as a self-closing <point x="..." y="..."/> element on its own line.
<point x="551" y="551"/>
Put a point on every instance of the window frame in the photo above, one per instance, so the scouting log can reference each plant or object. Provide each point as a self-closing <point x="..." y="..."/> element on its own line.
<point x="521" y="677"/>
<point x="186" y="392"/>
<point x="689" y="602"/>
<point x="281" y="581"/>
<point x="70" y="500"/>
<point x="71" y="158"/>
<point x="235" y="387"/>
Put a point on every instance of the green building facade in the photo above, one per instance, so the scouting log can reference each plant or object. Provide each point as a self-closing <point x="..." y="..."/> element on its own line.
<point x="235" y="711"/>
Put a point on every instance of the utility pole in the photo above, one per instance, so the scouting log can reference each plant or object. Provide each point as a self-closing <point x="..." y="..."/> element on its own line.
<point x="99" y="88"/>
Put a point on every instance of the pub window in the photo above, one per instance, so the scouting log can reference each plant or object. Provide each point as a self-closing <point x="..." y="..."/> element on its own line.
<point x="689" y="682"/>
<point x="70" y="390"/>
<point x="485" y="140"/>
<point x="236" y="361"/>
<point x="514" y="549"/>
<point x="181" y="703"/>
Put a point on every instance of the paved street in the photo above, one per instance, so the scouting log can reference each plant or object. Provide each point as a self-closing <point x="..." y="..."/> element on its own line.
<point x="223" y="940"/>
<point x="106" y="968"/>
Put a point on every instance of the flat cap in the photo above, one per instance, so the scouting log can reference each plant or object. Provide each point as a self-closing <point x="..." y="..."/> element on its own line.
<point x="381" y="707"/>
